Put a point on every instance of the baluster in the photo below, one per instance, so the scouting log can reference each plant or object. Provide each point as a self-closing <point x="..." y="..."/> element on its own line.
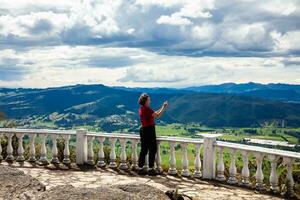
<point x="289" y="175"/>
<point x="101" y="156"/>
<point x="1" y="157"/>
<point x="232" y="169"/>
<point x="54" y="159"/>
<point x="172" y="161"/>
<point x="90" y="156"/>
<point x="146" y="165"/>
<point x="123" y="155"/>
<point x="245" y="170"/>
<point x="220" y="167"/>
<point x="158" y="158"/>
<point x="43" y="158"/>
<point x="197" y="162"/>
<point x="259" y="176"/>
<point x="273" y="175"/>
<point x="112" y="156"/>
<point x="20" y="157"/>
<point x="32" y="148"/>
<point x="9" y="149"/>
<point x="66" y="159"/>
<point x="185" y="161"/>
<point x="134" y="155"/>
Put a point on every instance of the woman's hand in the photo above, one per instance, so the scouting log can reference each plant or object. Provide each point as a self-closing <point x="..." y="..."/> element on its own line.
<point x="165" y="105"/>
<point x="159" y="112"/>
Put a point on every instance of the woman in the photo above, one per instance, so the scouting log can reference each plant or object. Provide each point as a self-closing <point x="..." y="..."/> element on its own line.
<point x="147" y="133"/>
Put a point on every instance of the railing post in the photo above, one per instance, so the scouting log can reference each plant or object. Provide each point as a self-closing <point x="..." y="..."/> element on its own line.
<point x="185" y="161"/>
<point x="66" y="159"/>
<point x="172" y="160"/>
<point x="209" y="163"/>
<point x="123" y="156"/>
<point x="101" y="156"/>
<point x="288" y="162"/>
<point x="245" y="170"/>
<point x="81" y="146"/>
<point x="197" y="162"/>
<point x="90" y="156"/>
<point x="273" y="175"/>
<point x="134" y="156"/>
<point x="9" y="149"/>
<point x="158" y="158"/>
<point x="232" y="168"/>
<point x="259" y="176"/>
<point x="112" y="155"/>
<point x="1" y="158"/>
<point x="54" y="159"/>
<point x="32" y="148"/>
<point x="20" y="157"/>
<point x="220" y="167"/>
<point x="43" y="159"/>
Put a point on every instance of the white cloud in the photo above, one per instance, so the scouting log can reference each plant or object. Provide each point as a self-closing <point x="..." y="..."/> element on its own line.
<point x="173" y="20"/>
<point x="174" y="43"/>
<point x="189" y="10"/>
<point x="287" y="41"/>
<point x="278" y="7"/>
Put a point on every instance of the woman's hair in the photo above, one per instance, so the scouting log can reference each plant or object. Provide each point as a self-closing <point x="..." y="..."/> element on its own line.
<point x="143" y="98"/>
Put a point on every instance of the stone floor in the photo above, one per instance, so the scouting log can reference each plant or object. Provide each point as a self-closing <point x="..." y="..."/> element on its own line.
<point x="93" y="177"/>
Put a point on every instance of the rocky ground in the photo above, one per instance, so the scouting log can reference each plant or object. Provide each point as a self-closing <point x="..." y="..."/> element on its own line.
<point x="59" y="182"/>
<point x="15" y="184"/>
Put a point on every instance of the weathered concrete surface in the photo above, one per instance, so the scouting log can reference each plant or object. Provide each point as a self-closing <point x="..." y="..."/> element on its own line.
<point x="131" y="192"/>
<point x="15" y="184"/>
<point x="93" y="178"/>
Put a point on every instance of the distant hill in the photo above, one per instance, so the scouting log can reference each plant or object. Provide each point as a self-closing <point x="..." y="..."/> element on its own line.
<point x="274" y="91"/>
<point x="112" y="108"/>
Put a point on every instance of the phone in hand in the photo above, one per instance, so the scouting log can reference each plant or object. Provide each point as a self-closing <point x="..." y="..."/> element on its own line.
<point x="165" y="104"/>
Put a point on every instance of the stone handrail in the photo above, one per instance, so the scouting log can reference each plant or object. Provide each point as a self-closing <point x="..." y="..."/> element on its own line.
<point x="207" y="169"/>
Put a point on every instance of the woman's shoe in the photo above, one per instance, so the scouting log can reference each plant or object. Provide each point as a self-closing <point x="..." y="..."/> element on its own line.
<point x="142" y="172"/>
<point x="152" y="172"/>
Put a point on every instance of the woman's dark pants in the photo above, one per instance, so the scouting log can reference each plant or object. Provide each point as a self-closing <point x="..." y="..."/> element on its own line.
<point x="148" y="145"/>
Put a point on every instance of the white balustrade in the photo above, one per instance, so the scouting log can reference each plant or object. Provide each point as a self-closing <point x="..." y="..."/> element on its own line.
<point x="185" y="161"/>
<point x="134" y="154"/>
<point x="172" y="160"/>
<point x="66" y="159"/>
<point x="123" y="164"/>
<point x="232" y="168"/>
<point x="112" y="155"/>
<point x="54" y="159"/>
<point x="259" y="176"/>
<point x="9" y="149"/>
<point x="101" y="156"/>
<point x="85" y="154"/>
<point x="90" y="156"/>
<point x="197" y="162"/>
<point x="245" y="170"/>
<point x="32" y="147"/>
<point x="43" y="158"/>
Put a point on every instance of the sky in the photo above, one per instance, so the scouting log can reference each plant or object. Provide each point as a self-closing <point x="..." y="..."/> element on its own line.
<point x="148" y="43"/>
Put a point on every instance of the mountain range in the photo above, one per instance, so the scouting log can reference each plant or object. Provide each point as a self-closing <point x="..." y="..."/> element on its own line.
<point x="112" y="108"/>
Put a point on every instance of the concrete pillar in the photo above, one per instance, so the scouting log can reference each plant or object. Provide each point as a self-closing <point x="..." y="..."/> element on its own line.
<point x="209" y="156"/>
<point x="81" y="146"/>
